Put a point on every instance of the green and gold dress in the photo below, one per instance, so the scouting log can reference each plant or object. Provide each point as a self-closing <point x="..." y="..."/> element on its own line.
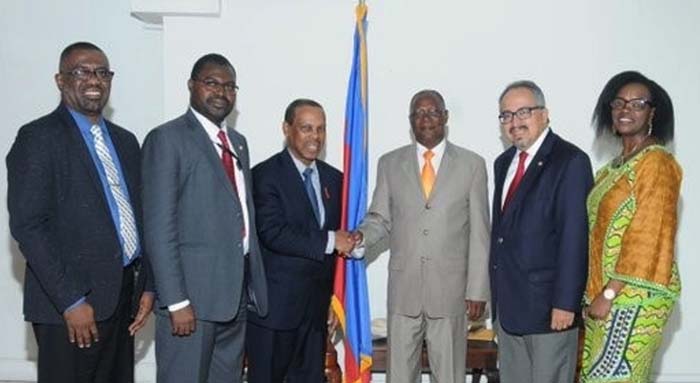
<point x="632" y="216"/>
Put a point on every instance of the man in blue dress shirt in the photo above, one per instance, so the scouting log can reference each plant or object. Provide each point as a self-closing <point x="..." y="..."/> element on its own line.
<point x="75" y="210"/>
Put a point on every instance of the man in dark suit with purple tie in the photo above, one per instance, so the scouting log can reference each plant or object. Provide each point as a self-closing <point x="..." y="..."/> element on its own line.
<point x="539" y="242"/>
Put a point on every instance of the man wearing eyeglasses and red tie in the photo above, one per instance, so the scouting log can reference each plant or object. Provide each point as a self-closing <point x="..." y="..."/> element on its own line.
<point x="200" y="232"/>
<point x="75" y="211"/>
<point x="539" y="242"/>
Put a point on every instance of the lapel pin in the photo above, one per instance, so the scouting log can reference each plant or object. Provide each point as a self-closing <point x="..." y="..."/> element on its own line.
<point x="326" y="193"/>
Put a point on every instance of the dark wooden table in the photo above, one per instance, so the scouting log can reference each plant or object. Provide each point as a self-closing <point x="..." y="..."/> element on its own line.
<point x="482" y="358"/>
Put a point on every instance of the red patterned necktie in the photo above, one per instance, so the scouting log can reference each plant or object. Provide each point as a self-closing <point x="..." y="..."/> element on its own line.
<point x="516" y="180"/>
<point x="227" y="160"/>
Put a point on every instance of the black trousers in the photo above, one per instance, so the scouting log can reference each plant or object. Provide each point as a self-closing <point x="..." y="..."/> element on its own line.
<point x="111" y="360"/>
<point x="289" y="356"/>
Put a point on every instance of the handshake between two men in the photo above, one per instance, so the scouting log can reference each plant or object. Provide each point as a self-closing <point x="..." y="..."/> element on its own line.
<point x="349" y="244"/>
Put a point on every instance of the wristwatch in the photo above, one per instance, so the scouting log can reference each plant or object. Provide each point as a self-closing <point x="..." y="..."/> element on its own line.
<point x="609" y="294"/>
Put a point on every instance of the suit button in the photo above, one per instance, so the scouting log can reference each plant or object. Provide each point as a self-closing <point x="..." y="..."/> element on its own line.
<point x="500" y="239"/>
<point x="240" y="244"/>
<point x="427" y="206"/>
<point x="426" y="231"/>
<point x="495" y="267"/>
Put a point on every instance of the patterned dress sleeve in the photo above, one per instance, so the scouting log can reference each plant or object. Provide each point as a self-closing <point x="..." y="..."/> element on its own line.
<point x="647" y="254"/>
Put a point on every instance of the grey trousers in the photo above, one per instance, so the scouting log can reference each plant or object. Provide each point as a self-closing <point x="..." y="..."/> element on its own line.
<point x="212" y="354"/>
<point x="446" y="343"/>
<point x="537" y="358"/>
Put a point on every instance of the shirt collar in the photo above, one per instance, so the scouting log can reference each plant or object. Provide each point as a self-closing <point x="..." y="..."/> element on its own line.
<point x="438" y="150"/>
<point x="300" y="165"/>
<point x="211" y="128"/>
<point x="83" y="122"/>
<point x="532" y="150"/>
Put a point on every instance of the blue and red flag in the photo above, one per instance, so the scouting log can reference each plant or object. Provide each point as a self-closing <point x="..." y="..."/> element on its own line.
<point x="350" y="298"/>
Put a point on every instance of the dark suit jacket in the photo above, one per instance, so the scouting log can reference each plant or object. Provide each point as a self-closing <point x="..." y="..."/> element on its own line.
<point x="60" y="218"/>
<point x="539" y="244"/>
<point x="193" y="222"/>
<point x="299" y="273"/>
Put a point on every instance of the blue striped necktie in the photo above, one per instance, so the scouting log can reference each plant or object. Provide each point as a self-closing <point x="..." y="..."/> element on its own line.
<point x="127" y="223"/>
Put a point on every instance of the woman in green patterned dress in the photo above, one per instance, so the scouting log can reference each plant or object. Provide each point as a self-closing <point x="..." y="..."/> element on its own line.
<point x="633" y="280"/>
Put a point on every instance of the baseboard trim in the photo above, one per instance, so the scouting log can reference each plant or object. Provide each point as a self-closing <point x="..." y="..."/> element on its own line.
<point x="145" y="372"/>
<point x="675" y="378"/>
<point x="18" y="369"/>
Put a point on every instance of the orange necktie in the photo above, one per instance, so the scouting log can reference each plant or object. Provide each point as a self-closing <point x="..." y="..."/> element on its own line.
<point x="427" y="175"/>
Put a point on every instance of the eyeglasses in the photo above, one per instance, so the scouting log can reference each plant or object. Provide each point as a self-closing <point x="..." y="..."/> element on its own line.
<point x="102" y="74"/>
<point x="432" y="113"/>
<point x="636" y="104"/>
<point x="523" y="114"/>
<point x="215" y="86"/>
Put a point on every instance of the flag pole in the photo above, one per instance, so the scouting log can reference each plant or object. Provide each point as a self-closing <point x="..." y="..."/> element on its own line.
<point x="350" y="301"/>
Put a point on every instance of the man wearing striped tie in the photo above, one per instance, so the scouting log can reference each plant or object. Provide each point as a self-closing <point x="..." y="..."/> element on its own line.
<point x="73" y="198"/>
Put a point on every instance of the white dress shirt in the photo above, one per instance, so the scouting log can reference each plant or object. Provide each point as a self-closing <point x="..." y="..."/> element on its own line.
<point x="212" y="131"/>
<point x="512" y="169"/>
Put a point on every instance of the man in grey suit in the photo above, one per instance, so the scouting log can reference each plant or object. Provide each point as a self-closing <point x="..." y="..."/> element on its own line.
<point x="200" y="230"/>
<point x="431" y="202"/>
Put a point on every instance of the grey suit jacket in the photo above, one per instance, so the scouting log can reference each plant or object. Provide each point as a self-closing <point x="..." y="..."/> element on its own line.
<point x="193" y="222"/>
<point x="439" y="247"/>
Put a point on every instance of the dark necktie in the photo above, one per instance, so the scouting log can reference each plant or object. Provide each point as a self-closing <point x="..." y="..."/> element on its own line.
<point x="311" y="193"/>
<point x="519" y="173"/>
